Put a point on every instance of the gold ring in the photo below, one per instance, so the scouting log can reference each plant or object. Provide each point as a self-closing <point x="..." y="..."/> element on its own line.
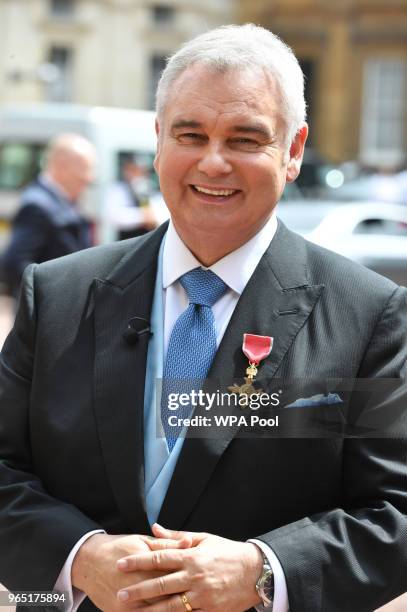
<point x="186" y="603"/>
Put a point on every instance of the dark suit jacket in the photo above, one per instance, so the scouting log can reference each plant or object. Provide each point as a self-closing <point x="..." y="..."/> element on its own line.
<point x="71" y="427"/>
<point x="46" y="226"/>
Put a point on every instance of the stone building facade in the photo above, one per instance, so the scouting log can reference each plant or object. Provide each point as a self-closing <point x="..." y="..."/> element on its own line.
<point x="95" y="52"/>
<point x="354" y="53"/>
<point x="110" y="53"/>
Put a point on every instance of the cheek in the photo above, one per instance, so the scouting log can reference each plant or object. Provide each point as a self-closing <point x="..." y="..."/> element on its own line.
<point x="268" y="176"/>
<point x="174" y="162"/>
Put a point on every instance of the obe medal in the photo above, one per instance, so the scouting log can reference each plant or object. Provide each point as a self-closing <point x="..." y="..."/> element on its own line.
<point x="256" y="348"/>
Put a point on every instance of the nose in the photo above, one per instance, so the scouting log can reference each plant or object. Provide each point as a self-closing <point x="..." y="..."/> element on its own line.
<point x="213" y="162"/>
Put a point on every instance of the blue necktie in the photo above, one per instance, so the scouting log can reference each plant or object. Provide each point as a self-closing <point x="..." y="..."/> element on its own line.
<point x="192" y="344"/>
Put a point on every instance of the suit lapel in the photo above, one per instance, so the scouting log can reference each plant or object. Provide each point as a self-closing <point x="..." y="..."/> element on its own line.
<point x="276" y="302"/>
<point x="119" y="374"/>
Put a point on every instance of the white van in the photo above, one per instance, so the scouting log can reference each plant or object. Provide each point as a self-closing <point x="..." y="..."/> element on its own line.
<point x="26" y="129"/>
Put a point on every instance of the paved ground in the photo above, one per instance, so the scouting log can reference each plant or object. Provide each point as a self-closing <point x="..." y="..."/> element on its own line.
<point x="6" y="319"/>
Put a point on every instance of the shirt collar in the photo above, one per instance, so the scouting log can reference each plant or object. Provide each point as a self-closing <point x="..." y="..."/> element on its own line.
<point x="235" y="269"/>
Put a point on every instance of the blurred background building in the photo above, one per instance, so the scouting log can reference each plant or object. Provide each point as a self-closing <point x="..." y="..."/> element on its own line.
<point x="111" y="52"/>
<point x="92" y="66"/>
<point x="354" y="55"/>
<point x="95" y="52"/>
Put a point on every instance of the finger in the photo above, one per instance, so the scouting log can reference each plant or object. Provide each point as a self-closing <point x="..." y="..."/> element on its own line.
<point x="161" y="560"/>
<point x="156" y="587"/>
<point x="171" y="604"/>
<point x="164" y="544"/>
<point x="162" y="532"/>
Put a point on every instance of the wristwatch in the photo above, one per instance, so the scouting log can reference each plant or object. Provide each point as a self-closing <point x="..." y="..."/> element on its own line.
<point x="265" y="583"/>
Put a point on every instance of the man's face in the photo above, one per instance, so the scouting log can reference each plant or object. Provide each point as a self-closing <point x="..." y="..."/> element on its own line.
<point x="222" y="160"/>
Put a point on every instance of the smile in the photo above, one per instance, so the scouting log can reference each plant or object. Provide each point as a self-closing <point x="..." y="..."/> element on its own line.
<point x="214" y="192"/>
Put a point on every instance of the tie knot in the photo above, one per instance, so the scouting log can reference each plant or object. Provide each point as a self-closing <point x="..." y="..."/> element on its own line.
<point x="203" y="287"/>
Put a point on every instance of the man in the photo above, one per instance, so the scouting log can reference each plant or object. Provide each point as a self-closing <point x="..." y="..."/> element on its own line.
<point x="48" y="223"/>
<point x="132" y="208"/>
<point x="316" y="525"/>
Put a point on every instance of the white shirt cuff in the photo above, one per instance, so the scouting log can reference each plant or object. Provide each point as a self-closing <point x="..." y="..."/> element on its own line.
<point x="280" y="603"/>
<point x="64" y="582"/>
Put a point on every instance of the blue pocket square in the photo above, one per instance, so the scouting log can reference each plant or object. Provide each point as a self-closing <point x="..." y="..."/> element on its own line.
<point x="316" y="400"/>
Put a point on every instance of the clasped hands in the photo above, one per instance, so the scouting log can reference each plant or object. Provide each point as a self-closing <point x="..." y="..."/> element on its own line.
<point x="121" y="573"/>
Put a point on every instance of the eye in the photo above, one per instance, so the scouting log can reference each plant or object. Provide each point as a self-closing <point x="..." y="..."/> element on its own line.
<point x="190" y="137"/>
<point x="244" y="143"/>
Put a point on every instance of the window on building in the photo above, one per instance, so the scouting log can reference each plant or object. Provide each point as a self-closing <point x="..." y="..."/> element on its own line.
<point x="60" y="90"/>
<point x="163" y="14"/>
<point x="157" y="65"/>
<point x="384" y="116"/>
<point x="62" y="8"/>
<point x="19" y="163"/>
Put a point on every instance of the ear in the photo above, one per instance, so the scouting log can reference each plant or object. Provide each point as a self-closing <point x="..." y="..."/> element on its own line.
<point x="296" y="154"/>
<point x="157" y="153"/>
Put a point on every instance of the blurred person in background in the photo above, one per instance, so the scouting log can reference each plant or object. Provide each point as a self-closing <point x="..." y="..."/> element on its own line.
<point x="132" y="207"/>
<point x="48" y="223"/>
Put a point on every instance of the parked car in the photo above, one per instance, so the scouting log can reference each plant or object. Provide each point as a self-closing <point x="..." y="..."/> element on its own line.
<point x="371" y="233"/>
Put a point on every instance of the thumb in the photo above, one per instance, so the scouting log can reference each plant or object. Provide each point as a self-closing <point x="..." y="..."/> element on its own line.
<point x="171" y="534"/>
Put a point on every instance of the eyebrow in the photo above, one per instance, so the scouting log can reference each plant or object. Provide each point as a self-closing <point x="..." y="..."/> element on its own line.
<point x="258" y="129"/>
<point x="186" y="123"/>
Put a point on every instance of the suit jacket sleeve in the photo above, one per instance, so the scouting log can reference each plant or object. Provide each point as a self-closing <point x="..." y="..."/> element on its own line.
<point x="355" y="557"/>
<point x="45" y="528"/>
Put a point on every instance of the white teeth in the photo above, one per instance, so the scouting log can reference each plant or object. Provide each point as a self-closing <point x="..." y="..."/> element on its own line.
<point x="216" y="192"/>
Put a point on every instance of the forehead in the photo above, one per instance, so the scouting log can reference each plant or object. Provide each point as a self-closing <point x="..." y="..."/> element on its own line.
<point x="201" y="93"/>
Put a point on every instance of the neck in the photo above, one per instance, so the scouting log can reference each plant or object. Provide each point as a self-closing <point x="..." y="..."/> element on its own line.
<point x="209" y="247"/>
<point x="207" y="256"/>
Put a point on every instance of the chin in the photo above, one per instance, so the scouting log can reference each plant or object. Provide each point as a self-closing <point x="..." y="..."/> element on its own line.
<point x="210" y="223"/>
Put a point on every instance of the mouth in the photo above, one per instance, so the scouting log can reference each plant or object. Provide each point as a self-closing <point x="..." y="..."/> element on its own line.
<point x="214" y="194"/>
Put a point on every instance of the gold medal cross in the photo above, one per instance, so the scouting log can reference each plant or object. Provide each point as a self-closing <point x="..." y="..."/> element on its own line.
<point x="247" y="388"/>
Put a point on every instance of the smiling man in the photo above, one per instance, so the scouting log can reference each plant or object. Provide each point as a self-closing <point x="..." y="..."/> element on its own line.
<point x="222" y="156"/>
<point x="310" y="525"/>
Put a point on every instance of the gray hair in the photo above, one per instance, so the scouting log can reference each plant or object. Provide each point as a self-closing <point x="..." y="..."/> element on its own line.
<point x="242" y="47"/>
